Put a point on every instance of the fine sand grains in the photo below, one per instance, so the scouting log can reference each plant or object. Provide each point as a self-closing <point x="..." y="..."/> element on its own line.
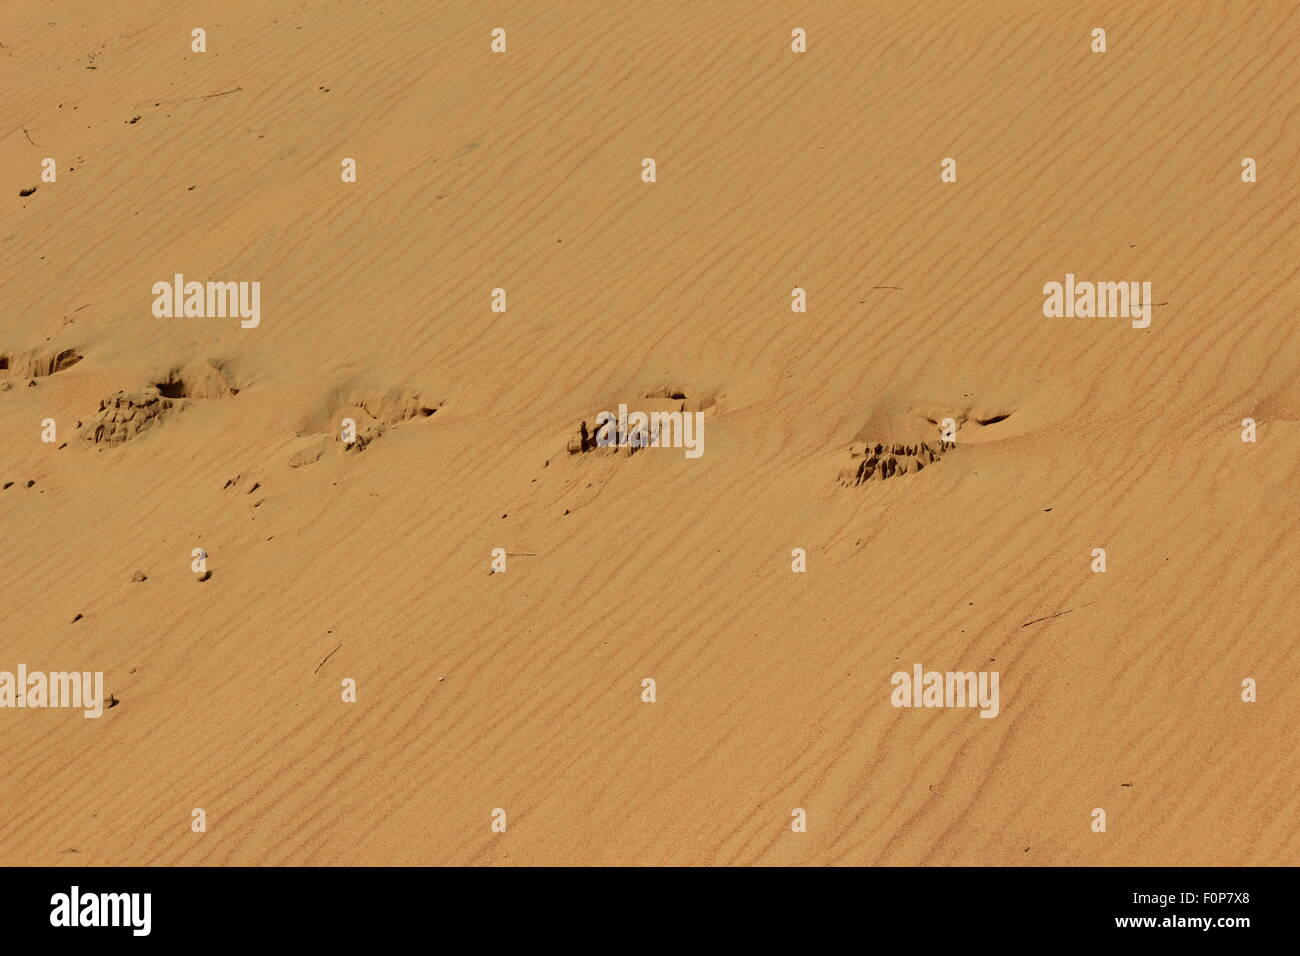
<point x="523" y="690"/>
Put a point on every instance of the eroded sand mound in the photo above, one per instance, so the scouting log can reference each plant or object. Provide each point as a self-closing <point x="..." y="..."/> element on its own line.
<point x="126" y="415"/>
<point x="877" y="461"/>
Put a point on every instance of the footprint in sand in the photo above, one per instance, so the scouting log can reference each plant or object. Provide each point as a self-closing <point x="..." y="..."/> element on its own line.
<point x="37" y="363"/>
<point x="659" y="400"/>
<point x="368" y="414"/>
<point x="896" y="441"/>
<point x="125" y="415"/>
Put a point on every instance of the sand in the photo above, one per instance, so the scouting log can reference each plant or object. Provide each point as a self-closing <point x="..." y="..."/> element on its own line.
<point x="523" y="690"/>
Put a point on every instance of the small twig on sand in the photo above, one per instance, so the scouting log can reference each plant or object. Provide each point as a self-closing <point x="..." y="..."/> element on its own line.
<point x="208" y="96"/>
<point x="327" y="657"/>
<point x="1057" y="614"/>
<point x="190" y="99"/>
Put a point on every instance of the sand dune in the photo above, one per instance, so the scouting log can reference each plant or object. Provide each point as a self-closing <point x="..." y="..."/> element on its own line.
<point x="523" y="690"/>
